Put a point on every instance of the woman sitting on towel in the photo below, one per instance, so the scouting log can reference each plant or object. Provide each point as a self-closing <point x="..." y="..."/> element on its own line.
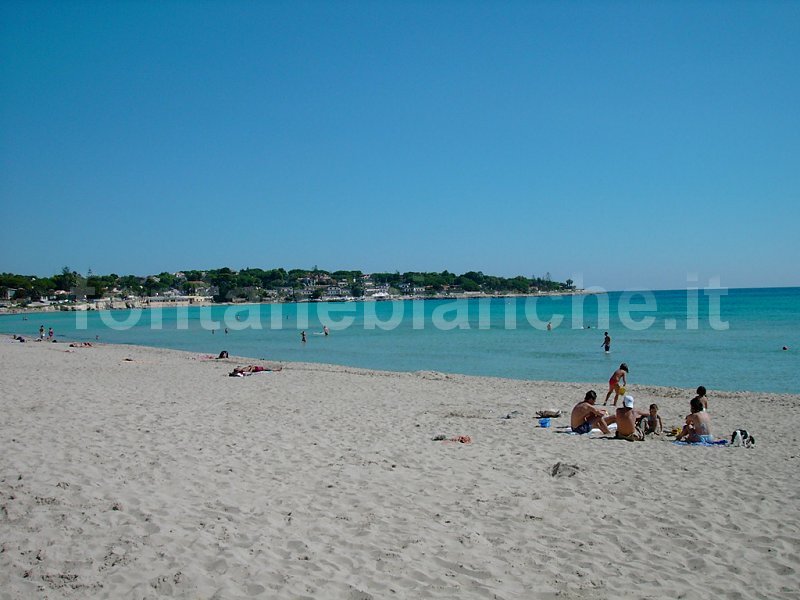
<point x="698" y="424"/>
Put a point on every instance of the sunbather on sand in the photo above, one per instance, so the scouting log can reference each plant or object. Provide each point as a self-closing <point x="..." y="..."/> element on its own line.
<point x="585" y="416"/>
<point x="249" y="370"/>
<point x="698" y="424"/>
<point x="627" y="419"/>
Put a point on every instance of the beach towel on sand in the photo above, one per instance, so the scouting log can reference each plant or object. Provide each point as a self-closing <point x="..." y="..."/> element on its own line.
<point x="714" y="443"/>
<point x="568" y="429"/>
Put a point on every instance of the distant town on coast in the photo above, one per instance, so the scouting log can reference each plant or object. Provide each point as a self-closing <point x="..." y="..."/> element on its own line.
<point x="70" y="290"/>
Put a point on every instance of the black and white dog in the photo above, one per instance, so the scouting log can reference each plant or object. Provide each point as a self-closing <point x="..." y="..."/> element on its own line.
<point x="740" y="437"/>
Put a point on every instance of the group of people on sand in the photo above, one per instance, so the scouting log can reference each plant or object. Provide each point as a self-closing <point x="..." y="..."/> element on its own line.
<point x="634" y="425"/>
<point x="42" y="336"/>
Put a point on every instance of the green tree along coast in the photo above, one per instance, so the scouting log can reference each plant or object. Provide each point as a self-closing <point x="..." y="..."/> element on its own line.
<point x="225" y="285"/>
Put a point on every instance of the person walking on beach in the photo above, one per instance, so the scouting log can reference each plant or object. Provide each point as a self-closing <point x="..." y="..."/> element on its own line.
<point x="613" y="383"/>
<point x="50" y="334"/>
<point x="41" y="332"/>
<point x="607" y="342"/>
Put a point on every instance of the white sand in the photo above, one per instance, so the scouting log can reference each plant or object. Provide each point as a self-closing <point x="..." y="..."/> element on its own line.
<point x="163" y="477"/>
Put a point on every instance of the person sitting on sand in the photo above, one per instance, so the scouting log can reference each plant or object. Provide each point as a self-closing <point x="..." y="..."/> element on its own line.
<point x="223" y="354"/>
<point x="651" y="423"/>
<point x="701" y="394"/>
<point x="627" y="419"/>
<point x="613" y="383"/>
<point x="698" y="424"/>
<point x="585" y="416"/>
<point x="249" y="370"/>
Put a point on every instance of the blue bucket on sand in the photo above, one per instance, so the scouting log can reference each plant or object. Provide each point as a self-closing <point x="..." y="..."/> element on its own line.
<point x="544" y="422"/>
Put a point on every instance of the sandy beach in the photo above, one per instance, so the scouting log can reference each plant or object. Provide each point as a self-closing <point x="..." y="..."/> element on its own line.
<point x="146" y="473"/>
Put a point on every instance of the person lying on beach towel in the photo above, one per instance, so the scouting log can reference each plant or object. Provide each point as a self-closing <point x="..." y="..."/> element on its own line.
<point x="80" y="345"/>
<point x="461" y="439"/>
<point x="249" y="370"/>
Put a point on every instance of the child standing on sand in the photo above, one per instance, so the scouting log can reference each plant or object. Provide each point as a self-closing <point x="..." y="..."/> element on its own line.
<point x="613" y="383"/>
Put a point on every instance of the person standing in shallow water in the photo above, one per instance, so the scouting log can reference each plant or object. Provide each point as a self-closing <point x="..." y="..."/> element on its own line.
<point x="607" y="342"/>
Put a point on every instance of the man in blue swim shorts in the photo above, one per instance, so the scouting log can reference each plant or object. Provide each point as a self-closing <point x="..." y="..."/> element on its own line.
<point x="585" y="427"/>
<point x="585" y="416"/>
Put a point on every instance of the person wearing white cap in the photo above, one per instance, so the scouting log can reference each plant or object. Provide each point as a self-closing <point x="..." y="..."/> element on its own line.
<point x="626" y="421"/>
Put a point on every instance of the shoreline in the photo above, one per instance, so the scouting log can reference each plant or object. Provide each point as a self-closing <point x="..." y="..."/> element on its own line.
<point x="324" y="367"/>
<point x="719" y="352"/>
<point x="131" y="471"/>
<point x="597" y="386"/>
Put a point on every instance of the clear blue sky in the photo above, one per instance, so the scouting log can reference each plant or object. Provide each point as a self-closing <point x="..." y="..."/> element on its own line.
<point x="622" y="144"/>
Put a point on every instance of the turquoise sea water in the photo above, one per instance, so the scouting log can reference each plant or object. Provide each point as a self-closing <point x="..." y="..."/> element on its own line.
<point x="729" y="341"/>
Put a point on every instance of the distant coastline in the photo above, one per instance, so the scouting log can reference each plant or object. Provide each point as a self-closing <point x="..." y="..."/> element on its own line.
<point x="70" y="290"/>
<point x="156" y="302"/>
